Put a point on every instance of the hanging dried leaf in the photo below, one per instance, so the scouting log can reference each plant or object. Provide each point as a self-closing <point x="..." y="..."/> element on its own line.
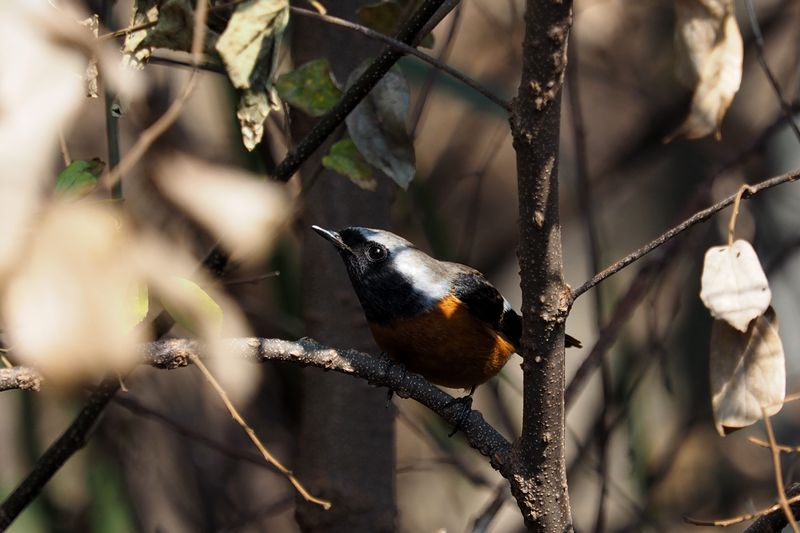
<point x="243" y="210"/>
<point x="310" y="88"/>
<point x="345" y="159"/>
<point x="710" y="53"/>
<point x="249" y="48"/>
<point x="733" y="285"/>
<point x="378" y="127"/>
<point x="173" y="26"/>
<point x="748" y="372"/>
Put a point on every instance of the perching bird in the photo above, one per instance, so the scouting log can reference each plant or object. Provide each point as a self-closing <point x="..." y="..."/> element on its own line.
<point x="442" y="320"/>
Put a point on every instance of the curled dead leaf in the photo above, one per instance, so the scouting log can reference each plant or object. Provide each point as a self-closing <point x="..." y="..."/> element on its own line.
<point x="710" y="54"/>
<point x="748" y="372"/>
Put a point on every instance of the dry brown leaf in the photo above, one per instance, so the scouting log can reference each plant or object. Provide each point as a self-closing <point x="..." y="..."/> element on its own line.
<point x="710" y="53"/>
<point x="733" y="285"/>
<point x="748" y="372"/>
<point x="243" y="210"/>
<point x="70" y="309"/>
<point x="249" y="48"/>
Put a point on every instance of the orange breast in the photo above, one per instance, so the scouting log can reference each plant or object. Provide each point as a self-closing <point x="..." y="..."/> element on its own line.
<point x="448" y="345"/>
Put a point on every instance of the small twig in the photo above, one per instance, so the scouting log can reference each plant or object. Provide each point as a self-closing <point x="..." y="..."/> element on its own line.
<point x="776" y="465"/>
<point x="786" y="107"/>
<point x="62" y="143"/>
<point x="406" y="49"/>
<point x="139" y="409"/>
<point x="252" y="279"/>
<point x="775" y="521"/>
<point x="484" y="520"/>
<point x="725" y="522"/>
<point x="271" y="459"/>
<point x="356" y="93"/>
<point x="700" y="216"/>
<point x="130" y="29"/>
<point x="780" y="447"/>
<point x="735" y="211"/>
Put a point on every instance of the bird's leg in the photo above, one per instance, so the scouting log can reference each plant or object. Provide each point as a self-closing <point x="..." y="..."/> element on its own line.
<point x="466" y="407"/>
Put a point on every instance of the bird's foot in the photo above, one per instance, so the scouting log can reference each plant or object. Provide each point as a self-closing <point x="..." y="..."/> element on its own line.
<point x="466" y="407"/>
<point x="392" y="365"/>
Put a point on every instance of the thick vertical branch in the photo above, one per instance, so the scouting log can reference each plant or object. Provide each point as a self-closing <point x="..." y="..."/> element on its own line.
<point x="539" y="481"/>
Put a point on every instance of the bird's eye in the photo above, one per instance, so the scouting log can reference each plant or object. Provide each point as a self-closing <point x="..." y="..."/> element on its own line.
<point x="376" y="253"/>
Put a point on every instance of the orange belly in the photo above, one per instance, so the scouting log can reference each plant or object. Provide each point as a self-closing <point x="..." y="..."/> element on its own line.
<point x="447" y="345"/>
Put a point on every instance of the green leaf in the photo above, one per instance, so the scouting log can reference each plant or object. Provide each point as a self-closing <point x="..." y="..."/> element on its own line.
<point x="385" y="17"/>
<point x="140" y="303"/>
<point x="345" y="159"/>
<point x="192" y="308"/>
<point x="311" y="88"/>
<point x="79" y="178"/>
<point x="378" y="126"/>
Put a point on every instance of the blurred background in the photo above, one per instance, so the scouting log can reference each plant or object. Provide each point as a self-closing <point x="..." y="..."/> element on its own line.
<point x="167" y="457"/>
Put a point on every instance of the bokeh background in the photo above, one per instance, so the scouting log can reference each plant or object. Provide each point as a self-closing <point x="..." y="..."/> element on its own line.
<point x="647" y="443"/>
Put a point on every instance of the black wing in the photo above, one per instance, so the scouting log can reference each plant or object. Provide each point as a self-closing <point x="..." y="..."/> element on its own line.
<point x="486" y="303"/>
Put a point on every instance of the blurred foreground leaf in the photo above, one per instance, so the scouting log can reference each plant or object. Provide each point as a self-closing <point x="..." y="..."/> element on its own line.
<point x="310" y="88"/>
<point x="345" y="159"/>
<point x="377" y="126"/>
<point x="191" y="307"/>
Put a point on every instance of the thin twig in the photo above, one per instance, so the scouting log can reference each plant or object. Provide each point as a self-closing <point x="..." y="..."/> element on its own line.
<point x="484" y="520"/>
<point x="356" y="93"/>
<point x="139" y="409"/>
<point x="700" y="216"/>
<point x="775" y="521"/>
<point x="20" y="377"/>
<point x="735" y="212"/>
<point x="406" y="49"/>
<point x="780" y="447"/>
<point x="776" y="465"/>
<point x="786" y="107"/>
<point x="268" y="457"/>
<point x="62" y="143"/>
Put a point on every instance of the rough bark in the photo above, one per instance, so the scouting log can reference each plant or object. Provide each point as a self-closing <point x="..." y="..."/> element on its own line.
<point x="537" y="461"/>
<point x="346" y="445"/>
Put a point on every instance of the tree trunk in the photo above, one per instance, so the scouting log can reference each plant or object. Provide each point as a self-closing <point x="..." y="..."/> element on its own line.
<point x="537" y="460"/>
<point x="346" y="448"/>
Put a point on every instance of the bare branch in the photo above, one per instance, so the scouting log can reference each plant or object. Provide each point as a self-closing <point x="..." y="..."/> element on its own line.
<point x="20" y="377"/>
<point x="700" y="216"/>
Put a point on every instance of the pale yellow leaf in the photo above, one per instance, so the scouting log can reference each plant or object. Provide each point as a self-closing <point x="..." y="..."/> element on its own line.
<point x="710" y="55"/>
<point x="242" y="44"/>
<point x="748" y="372"/>
<point x="244" y="210"/>
<point x="733" y="285"/>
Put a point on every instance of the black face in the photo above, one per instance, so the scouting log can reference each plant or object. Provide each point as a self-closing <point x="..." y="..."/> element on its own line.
<point x="384" y="293"/>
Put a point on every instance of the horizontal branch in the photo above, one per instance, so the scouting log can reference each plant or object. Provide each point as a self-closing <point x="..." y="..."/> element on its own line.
<point x="20" y="377"/>
<point x="177" y="353"/>
<point x="700" y="216"/>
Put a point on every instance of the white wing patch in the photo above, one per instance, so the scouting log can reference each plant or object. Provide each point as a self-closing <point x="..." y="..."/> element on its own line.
<point x="507" y="306"/>
<point x="416" y="270"/>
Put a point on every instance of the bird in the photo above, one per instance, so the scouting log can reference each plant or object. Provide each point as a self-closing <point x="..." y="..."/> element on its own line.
<point x="442" y="320"/>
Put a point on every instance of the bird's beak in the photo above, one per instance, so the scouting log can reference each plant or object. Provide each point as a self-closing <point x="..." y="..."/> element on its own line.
<point x="333" y="237"/>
